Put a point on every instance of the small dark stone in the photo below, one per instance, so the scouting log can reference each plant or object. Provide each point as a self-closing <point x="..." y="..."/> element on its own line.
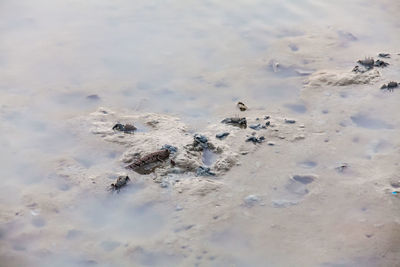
<point x="222" y="135"/>
<point x="200" y="140"/>
<point x="266" y="117"/>
<point x="255" y="140"/>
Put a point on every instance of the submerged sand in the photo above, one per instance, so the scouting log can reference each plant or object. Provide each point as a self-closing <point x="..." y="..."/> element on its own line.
<point x="317" y="192"/>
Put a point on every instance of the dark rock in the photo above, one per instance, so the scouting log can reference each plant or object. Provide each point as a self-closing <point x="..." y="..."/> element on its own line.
<point x="204" y="171"/>
<point x="200" y="140"/>
<point x="222" y="135"/>
<point x="290" y="121"/>
<point x="255" y="140"/>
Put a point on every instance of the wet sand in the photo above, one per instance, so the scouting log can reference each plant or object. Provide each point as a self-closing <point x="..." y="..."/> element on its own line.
<point x="316" y="192"/>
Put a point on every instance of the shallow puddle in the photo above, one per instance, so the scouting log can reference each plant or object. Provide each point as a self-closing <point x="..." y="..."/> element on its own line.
<point x="365" y="121"/>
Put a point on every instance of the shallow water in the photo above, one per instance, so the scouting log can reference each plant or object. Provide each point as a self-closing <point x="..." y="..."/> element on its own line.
<point x="60" y="60"/>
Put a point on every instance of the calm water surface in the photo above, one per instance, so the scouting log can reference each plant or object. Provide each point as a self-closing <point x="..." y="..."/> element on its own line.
<point x="193" y="59"/>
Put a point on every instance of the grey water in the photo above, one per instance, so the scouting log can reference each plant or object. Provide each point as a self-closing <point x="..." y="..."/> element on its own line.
<point x="60" y="60"/>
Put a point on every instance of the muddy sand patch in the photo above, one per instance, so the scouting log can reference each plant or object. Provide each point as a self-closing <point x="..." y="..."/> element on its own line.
<point x="171" y="151"/>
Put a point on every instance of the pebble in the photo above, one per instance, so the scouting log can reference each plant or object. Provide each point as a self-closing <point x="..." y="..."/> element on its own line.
<point x="270" y="143"/>
<point x="222" y="135"/>
<point x="255" y="140"/>
<point x="201" y="140"/>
